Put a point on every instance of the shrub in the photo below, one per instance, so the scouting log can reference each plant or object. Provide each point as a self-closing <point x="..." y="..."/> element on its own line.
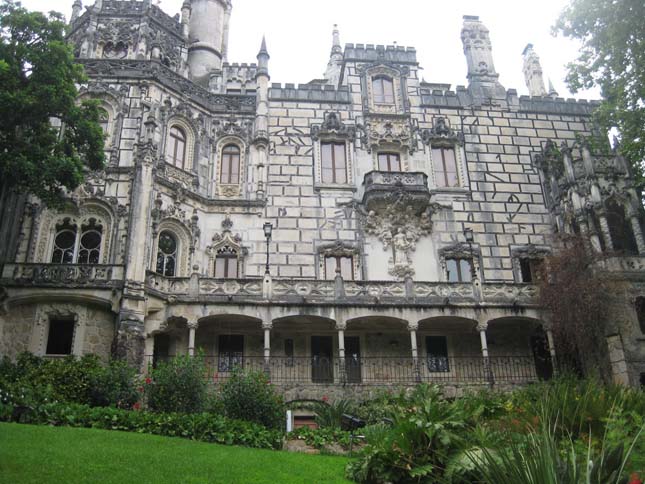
<point x="177" y="385"/>
<point x="114" y="385"/>
<point x="250" y="396"/>
<point x="200" y="426"/>
<point x="330" y="415"/>
<point x="322" y="438"/>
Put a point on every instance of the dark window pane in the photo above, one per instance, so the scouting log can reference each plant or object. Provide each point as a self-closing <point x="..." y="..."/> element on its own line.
<point x="231" y="352"/>
<point x="640" y="312"/>
<point x="60" y="338"/>
<point x="525" y="270"/>
<point x="437" y="349"/>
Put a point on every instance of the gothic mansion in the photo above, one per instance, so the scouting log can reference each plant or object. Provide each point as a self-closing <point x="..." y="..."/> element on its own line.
<point x="367" y="228"/>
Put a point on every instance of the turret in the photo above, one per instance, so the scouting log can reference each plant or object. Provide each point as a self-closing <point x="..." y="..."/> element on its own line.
<point x="76" y="10"/>
<point x="552" y="92"/>
<point x="482" y="77"/>
<point x="208" y="28"/>
<point x="259" y="153"/>
<point x="332" y="74"/>
<point x="533" y="72"/>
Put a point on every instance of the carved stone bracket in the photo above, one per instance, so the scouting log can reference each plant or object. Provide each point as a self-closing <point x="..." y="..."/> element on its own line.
<point x="442" y="132"/>
<point x="332" y="127"/>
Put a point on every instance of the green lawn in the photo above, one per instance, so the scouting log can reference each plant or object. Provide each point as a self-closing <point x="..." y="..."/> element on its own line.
<point x="37" y="454"/>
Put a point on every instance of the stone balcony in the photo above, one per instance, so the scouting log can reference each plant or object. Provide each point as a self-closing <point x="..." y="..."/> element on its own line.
<point x="63" y="275"/>
<point x="381" y="188"/>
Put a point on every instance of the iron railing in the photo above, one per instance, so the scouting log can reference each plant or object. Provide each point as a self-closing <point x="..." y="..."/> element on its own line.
<point x="353" y="370"/>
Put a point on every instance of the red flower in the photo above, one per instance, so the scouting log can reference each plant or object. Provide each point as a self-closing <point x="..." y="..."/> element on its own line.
<point x="136" y="406"/>
<point x="635" y="479"/>
<point x="148" y="381"/>
<point x="325" y="398"/>
<point x="141" y="389"/>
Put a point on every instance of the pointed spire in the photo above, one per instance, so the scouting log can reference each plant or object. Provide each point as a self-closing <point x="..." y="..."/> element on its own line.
<point x="552" y="92"/>
<point x="263" y="59"/>
<point x="336" y="47"/>
<point x="533" y="72"/>
<point x="76" y="10"/>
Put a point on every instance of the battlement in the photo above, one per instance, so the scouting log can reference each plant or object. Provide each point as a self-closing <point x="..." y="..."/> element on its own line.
<point x="373" y="53"/>
<point x="309" y="93"/>
<point x="547" y="105"/>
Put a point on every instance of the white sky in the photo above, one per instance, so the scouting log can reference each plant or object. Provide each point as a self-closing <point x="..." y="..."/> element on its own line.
<point x="298" y="34"/>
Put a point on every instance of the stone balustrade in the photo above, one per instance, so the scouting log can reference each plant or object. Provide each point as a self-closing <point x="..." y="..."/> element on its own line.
<point x="63" y="275"/>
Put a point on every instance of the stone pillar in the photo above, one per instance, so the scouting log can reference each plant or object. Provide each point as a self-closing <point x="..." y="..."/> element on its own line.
<point x="551" y="344"/>
<point x="192" y="329"/>
<point x="604" y="228"/>
<point x="482" y="327"/>
<point x="638" y="234"/>
<point x="267" y="327"/>
<point x="617" y="360"/>
<point x="341" y="327"/>
<point x="412" y="328"/>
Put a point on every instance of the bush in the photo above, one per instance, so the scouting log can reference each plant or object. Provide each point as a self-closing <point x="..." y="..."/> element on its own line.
<point x="322" y="438"/>
<point x="250" y="396"/>
<point x="114" y="385"/>
<point x="200" y="426"/>
<point x="177" y="385"/>
<point x="330" y="415"/>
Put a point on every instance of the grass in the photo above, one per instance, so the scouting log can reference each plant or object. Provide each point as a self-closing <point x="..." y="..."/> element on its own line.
<point x="37" y="454"/>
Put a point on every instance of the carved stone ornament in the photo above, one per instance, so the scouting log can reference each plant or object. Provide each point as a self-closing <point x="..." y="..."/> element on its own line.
<point x="226" y="242"/>
<point x="399" y="226"/>
<point x="441" y="131"/>
<point x="390" y="132"/>
<point x="232" y="126"/>
<point x="332" y="127"/>
<point x="338" y="248"/>
<point x="530" y="251"/>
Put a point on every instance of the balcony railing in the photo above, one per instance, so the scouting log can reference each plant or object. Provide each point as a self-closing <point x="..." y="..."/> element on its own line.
<point x="321" y="370"/>
<point x="379" y="186"/>
<point x="76" y="275"/>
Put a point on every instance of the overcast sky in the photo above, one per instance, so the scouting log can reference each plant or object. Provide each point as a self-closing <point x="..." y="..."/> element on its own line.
<point x="298" y="34"/>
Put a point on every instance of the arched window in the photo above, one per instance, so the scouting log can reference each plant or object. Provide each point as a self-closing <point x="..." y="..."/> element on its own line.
<point x="167" y="254"/>
<point x="383" y="89"/>
<point x="226" y="263"/>
<point x="71" y="247"/>
<point x="230" y="166"/>
<point x="620" y="229"/>
<point x="64" y="243"/>
<point x="89" y="247"/>
<point x="176" y="152"/>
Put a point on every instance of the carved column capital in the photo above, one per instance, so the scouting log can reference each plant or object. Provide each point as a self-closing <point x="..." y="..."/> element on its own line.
<point x="192" y="325"/>
<point x="482" y="326"/>
<point x="268" y="325"/>
<point x="341" y="325"/>
<point x="413" y="326"/>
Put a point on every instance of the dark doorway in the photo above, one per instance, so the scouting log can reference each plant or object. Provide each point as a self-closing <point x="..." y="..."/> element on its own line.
<point x="231" y="352"/>
<point x="322" y="370"/>
<point x="61" y="337"/>
<point x="353" y="359"/>
<point x="162" y="349"/>
<point x="437" y="357"/>
<point x="542" y="356"/>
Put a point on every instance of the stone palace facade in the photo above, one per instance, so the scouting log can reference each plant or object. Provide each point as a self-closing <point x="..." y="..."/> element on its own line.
<point x="366" y="228"/>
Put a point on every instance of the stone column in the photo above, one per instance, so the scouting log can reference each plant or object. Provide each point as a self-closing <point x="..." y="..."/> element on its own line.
<point x="267" y="327"/>
<point x="341" y="327"/>
<point x="482" y="327"/>
<point x="551" y="344"/>
<point x="192" y="329"/>
<point x="604" y="229"/>
<point x="412" y="328"/>
<point x="638" y="234"/>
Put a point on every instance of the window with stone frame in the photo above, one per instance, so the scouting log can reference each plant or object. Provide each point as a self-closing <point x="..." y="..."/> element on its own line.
<point x="176" y="151"/>
<point x="531" y="269"/>
<point x="333" y="160"/>
<point x="437" y="354"/>
<point x="640" y="312"/>
<point x="226" y="263"/>
<point x="104" y="121"/>
<point x="459" y="269"/>
<point x="444" y="162"/>
<point x="383" y="90"/>
<point x="167" y="252"/>
<point x="342" y="264"/>
<point x="74" y="246"/>
<point x="620" y="230"/>
<point x="389" y="162"/>
<point x="60" y="337"/>
<point x="230" y="165"/>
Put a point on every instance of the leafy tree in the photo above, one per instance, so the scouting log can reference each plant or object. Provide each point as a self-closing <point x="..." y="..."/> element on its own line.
<point x="612" y="57"/>
<point x="38" y="79"/>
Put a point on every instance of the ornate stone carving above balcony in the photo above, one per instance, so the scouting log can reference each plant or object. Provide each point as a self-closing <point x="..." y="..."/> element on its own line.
<point x="383" y="187"/>
<point x="63" y="275"/>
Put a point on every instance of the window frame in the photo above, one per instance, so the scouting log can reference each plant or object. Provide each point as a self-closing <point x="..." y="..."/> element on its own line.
<point x="51" y="327"/>
<point x="227" y="254"/>
<point x="172" y="157"/>
<point x="460" y="269"/>
<point x="339" y="263"/>
<point x="389" y="154"/>
<point x="174" y="255"/>
<point x="230" y="156"/>
<point x="443" y="182"/>
<point x="90" y="225"/>
<point x="335" y="170"/>
<point x="437" y="363"/>
<point x="379" y="94"/>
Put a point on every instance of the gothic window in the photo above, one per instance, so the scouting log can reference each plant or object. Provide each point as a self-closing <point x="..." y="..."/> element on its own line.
<point x="89" y="246"/>
<point x="71" y="247"/>
<point x="60" y="336"/>
<point x="389" y="162"/>
<point x="459" y="270"/>
<point x="445" y="167"/>
<point x="230" y="166"/>
<point x="226" y="263"/>
<point x="383" y="90"/>
<point x="167" y="254"/>
<point x="620" y="231"/>
<point x="334" y="162"/>
<point x="530" y="270"/>
<point x="437" y="354"/>
<point x="64" y="243"/>
<point x="344" y="264"/>
<point x="640" y="312"/>
<point x="176" y="152"/>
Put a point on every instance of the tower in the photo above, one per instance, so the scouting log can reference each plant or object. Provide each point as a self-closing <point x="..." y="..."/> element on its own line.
<point x="332" y="74"/>
<point x="483" y="80"/>
<point x="208" y="28"/>
<point x="533" y="72"/>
